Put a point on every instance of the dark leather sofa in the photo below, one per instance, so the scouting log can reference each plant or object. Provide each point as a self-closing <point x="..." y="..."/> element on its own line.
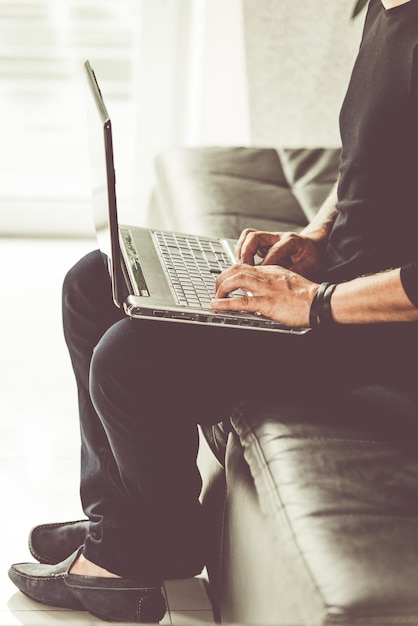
<point x="313" y="515"/>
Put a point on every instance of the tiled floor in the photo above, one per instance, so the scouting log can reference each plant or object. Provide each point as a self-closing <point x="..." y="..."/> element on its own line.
<point x="39" y="431"/>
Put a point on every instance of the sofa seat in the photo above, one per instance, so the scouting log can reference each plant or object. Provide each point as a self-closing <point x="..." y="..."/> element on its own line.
<point x="330" y="503"/>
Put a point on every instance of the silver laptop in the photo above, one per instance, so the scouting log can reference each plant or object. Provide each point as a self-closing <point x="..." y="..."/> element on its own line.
<point x="156" y="274"/>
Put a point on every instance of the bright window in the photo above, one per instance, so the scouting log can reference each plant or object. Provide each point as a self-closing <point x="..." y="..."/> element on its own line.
<point x="44" y="182"/>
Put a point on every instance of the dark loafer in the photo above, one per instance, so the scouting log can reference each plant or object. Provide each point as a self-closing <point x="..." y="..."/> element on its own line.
<point x="110" y="599"/>
<point x="52" y="543"/>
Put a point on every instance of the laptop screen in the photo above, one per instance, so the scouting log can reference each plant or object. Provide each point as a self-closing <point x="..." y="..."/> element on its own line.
<point x="103" y="183"/>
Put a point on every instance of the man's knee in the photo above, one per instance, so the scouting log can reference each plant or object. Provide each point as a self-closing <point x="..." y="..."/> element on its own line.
<point x="131" y="373"/>
<point x="82" y="276"/>
<point x="115" y="367"/>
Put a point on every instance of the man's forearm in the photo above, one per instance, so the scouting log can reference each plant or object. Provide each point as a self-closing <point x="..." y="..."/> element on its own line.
<point x="372" y="299"/>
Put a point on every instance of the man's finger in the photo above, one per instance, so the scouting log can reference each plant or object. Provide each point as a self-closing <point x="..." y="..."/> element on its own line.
<point x="243" y="277"/>
<point x="254" y="242"/>
<point x="238" y="303"/>
<point x="240" y="242"/>
<point x="280" y="252"/>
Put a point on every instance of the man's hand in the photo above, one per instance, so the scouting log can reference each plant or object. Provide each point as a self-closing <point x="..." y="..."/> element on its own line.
<point x="296" y="252"/>
<point x="276" y="292"/>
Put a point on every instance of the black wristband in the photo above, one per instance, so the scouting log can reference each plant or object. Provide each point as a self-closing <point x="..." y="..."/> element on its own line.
<point x="313" y="313"/>
<point x="324" y="309"/>
<point x="316" y="306"/>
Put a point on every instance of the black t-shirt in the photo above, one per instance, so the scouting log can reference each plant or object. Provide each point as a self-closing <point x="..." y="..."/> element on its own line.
<point x="377" y="223"/>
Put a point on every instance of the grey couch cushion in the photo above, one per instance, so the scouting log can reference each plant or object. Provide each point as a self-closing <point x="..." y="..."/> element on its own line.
<point x="220" y="190"/>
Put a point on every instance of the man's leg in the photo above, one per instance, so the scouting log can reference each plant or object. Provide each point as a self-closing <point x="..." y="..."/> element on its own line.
<point x="88" y="312"/>
<point x="151" y="382"/>
<point x="150" y="422"/>
<point x="161" y="350"/>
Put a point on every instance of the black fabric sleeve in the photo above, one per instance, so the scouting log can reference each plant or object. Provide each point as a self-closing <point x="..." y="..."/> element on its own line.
<point x="409" y="279"/>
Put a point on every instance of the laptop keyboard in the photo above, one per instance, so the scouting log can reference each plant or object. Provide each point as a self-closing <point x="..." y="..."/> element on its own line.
<point x="192" y="265"/>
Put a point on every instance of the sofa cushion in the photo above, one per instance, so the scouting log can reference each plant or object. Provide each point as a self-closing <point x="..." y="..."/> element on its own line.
<point x="219" y="191"/>
<point x="340" y="485"/>
<point x="310" y="174"/>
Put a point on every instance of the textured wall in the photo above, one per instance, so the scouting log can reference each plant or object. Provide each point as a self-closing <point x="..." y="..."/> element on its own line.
<point x="299" y="59"/>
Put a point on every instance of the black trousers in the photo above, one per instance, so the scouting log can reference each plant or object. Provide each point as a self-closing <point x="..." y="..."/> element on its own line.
<point x="143" y="386"/>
